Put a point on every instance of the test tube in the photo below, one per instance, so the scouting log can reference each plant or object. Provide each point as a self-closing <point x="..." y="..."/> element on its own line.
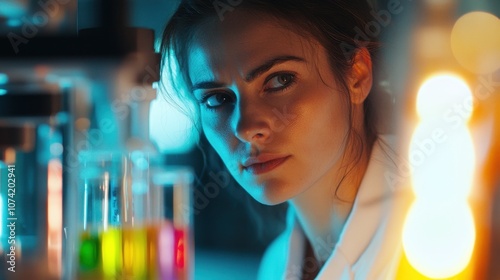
<point x="175" y="242"/>
<point x="99" y="250"/>
<point x="136" y="218"/>
<point x="135" y="211"/>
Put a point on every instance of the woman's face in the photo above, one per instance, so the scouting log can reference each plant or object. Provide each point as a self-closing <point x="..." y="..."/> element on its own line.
<point x="269" y="105"/>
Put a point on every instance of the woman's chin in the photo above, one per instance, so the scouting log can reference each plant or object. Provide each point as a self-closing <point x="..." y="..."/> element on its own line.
<point x="270" y="201"/>
<point x="271" y="197"/>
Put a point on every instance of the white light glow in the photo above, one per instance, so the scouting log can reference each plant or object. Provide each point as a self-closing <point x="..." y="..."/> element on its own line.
<point x="442" y="169"/>
<point x="439" y="243"/>
<point x="441" y="93"/>
<point x="439" y="232"/>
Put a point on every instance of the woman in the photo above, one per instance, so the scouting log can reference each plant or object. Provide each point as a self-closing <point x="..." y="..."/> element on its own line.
<point x="283" y="92"/>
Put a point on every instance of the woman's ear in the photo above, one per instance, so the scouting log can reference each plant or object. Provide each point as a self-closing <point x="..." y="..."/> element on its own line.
<point x="360" y="77"/>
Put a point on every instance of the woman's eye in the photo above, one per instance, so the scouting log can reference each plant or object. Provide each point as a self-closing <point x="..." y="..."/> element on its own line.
<point x="280" y="81"/>
<point x="216" y="99"/>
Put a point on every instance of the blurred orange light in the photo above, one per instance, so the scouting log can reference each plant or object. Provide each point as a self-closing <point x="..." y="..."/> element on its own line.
<point x="54" y="209"/>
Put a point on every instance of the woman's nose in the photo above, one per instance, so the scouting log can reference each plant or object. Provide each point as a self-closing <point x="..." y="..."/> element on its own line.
<point x="252" y="123"/>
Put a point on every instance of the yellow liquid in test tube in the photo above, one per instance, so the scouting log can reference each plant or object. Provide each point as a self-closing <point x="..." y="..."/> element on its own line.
<point x="111" y="241"/>
<point x="135" y="250"/>
<point x="119" y="253"/>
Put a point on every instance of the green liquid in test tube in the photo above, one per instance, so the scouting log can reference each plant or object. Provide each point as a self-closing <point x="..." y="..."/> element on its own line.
<point x="89" y="252"/>
<point x="100" y="241"/>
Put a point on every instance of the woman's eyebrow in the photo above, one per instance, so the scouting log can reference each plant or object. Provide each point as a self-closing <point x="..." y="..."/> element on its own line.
<point x="259" y="70"/>
<point x="207" y="85"/>
<point x="252" y="75"/>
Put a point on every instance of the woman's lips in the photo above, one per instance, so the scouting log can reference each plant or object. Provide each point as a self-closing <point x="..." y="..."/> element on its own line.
<point x="256" y="166"/>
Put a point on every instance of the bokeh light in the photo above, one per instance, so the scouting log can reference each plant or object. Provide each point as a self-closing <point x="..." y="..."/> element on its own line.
<point x="441" y="93"/>
<point x="439" y="238"/>
<point x="475" y="42"/>
<point x="439" y="232"/>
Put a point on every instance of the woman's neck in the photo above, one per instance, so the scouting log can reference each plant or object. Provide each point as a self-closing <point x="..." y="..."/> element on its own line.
<point x="322" y="210"/>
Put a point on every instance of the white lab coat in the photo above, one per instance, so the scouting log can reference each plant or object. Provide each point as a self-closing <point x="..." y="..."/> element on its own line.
<point x="369" y="246"/>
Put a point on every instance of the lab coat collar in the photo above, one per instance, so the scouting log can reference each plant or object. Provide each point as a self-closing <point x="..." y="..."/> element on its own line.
<point x="370" y="241"/>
